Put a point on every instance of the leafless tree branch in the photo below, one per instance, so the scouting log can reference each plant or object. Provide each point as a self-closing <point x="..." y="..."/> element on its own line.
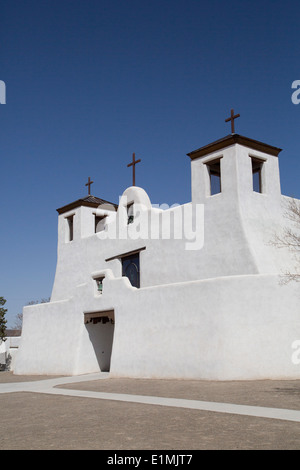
<point x="290" y="239"/>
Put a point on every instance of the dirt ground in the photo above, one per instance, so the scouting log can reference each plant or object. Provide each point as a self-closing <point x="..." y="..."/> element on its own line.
<point x="41" y="421"/>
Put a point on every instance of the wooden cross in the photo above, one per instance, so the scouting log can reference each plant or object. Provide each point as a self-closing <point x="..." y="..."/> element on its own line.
<point x="232" y="118"/>
<point x="89" y="185"/>
<point x="133" y="163"/>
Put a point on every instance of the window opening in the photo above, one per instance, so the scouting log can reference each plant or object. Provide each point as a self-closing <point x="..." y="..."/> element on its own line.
<point x="131" y="269"/>
<point x="99" y="223"/>
<point x="256" y="175"/>
<point x="70" y="223"/>
<point x="130" y="216"/>
<point x="214" y="169"/>
<point x="99" y="284"/>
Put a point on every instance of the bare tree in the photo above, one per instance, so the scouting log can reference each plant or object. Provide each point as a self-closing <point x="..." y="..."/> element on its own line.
<point x="18" y="321"/>
<point x="19" y="316"/>
<point x="290" y="239"/>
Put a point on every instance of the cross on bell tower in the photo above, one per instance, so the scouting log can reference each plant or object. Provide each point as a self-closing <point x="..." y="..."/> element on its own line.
<point x="232" y="118"/>
<point x="89" y="185"/>
<point x="133" y="163"/>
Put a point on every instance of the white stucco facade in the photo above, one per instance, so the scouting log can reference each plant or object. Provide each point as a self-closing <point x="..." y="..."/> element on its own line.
<point x="209" y="303"/>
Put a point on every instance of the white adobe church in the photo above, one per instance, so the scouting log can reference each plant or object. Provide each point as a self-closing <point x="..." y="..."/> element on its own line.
<point x="188" y="292"/>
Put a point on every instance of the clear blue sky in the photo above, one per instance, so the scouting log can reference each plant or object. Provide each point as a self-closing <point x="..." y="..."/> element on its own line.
<point x="89" y="82"/>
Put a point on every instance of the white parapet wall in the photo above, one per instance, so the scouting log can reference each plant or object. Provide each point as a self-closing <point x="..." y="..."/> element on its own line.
<point x="8" y="352"/>
<point x="230" y="328"/>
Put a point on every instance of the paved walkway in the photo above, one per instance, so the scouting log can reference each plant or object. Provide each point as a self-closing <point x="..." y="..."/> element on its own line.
<point x="49" y="386"/>
<point x="239" y="411"/>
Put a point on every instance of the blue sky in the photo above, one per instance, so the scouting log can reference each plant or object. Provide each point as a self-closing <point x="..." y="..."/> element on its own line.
<point x="90" y="82"/>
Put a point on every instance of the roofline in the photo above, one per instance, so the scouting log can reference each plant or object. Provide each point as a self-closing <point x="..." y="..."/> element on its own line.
<point x="232" y="139"/>
<point x="82" y="202"/>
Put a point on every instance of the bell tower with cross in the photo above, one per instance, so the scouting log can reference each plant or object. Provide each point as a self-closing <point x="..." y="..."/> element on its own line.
<point x="235" y="170"/>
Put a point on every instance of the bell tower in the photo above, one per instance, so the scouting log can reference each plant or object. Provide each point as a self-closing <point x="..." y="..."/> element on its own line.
<point x="234" y="167"/>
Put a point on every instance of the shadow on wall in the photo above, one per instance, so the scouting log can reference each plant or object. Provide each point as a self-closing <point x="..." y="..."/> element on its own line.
<point x="101" y="335"/>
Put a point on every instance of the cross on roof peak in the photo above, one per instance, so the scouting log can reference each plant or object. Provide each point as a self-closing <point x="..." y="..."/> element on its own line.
<point x="232" y="118"/>
<point x="133" y="163"/>
<point x="89" y="185"/>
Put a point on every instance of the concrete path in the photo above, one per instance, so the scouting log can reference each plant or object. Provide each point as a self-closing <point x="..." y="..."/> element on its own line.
<point x="49" y="386"/>
<point x="96" y="411"/>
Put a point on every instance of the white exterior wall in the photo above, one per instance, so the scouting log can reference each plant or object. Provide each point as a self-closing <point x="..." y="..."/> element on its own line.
<point x="239" y="327"/>
<point x="8" y="351"/>
<point x="218" y="312"/>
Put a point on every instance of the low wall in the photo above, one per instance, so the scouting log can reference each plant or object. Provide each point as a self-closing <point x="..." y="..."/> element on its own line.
<point x="8" y="352"/>
<point x="233" y="328"/>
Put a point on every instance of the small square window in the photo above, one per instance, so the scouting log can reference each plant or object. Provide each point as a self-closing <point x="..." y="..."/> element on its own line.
<point x="99" y="284"/>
